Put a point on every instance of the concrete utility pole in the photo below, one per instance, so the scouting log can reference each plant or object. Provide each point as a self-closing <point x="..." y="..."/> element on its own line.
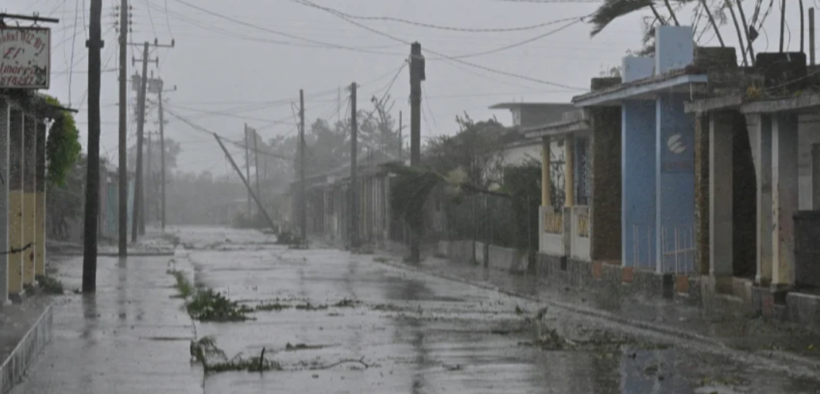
<point x="138" y="223"/>
<point x="354" y="181"/>
<point x="245" y="181"/>
<point x="302" y="202"/>
<point x="416" y="76"/>
<point x="811" y="36"/>
<point x="155" y="85"/>
<point x="92" y="186"/>
<point x="122" y="171"/>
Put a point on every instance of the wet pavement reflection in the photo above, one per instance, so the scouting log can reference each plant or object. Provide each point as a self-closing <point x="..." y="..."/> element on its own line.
<point x="416" y="333"/>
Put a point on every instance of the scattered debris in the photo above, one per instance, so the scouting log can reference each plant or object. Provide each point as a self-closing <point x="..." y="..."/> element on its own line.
<point x="381" y="259"/>
<point x="213" y="359"/>
<point x="302" y="346"/>
<point x="275" y="306"/>
<point x="208" y="305"/>
<point x="49" y="284"/>
<point x="346" y="303"/>
<point x="184" y="286"/>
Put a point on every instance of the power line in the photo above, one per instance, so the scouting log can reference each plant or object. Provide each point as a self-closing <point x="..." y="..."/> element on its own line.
<point x="462" y="29"/>
<point x="283" y="34"/>
<point x="452" y="58"/>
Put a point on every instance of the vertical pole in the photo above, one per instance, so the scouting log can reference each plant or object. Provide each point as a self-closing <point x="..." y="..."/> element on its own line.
<point x="569" y="165"/>
<point x="137" y="223"/>
<point x="546" y="185"/>
<point x="416" y="76"/>
<point x="811" y="36"/>
<point x="782" y="24"/>
<point x="749" y="46"/>
<point x="401" y="140"/>
<point x="802" y="28"/>
<point x="29" y="190"/>
<point x="122" y="171"/>
<point x="162" y="158"/>
<point x="302" y="203"/>
<point x="149" y="191"/>
<point x="40" y="202"/>
<point x="247" y="169"/>
<point x="256" y="164"/>
<point x="5" y="129"/>
<point x="92" y="186"/>
<point x="354" y="181"/>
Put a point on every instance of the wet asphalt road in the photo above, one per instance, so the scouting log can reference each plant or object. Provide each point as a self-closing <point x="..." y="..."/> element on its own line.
<point x="416" y="333"/>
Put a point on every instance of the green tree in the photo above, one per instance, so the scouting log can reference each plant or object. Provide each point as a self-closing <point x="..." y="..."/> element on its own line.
<point x="62" y="145"/>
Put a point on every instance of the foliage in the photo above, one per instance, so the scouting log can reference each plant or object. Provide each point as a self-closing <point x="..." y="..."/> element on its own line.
<point x="523" y="182"/>
<point x="473" y="152"/>
<point x="49" y="284"/>
<point x="409" y="192"/>
<point x="213" y="359"/>
<point x="64" y="202"/>
<point x="184" y="286"/>
<point x="62" y="146"/>
<point x="209" y="305"/>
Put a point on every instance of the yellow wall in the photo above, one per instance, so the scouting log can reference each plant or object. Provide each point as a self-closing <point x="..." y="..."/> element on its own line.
<point x="29" y="211"/>
<point x="15" y="260"/>
<point x="40" y="235"/>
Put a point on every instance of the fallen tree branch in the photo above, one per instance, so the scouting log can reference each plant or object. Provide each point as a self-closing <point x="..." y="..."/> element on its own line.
<point x="340" y="362"/>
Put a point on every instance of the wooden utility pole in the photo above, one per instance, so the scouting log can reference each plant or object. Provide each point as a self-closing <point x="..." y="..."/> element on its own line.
<point x="811" y="36"/>
<point x="782" y="24"/>
<point x="416" y="76"/>
<point x="302" y="202"/>
<point x="122" y="171"/>
<point x="92" y="186"/>
<point x="138" y="223"/>
<point x="354" y="181"/>
<point x="162" y="158"/>
<point x="256" y="160"/>
<point x="248" y="169"/>
<point x="149" y="191"/>
<point x="401" y="140"/>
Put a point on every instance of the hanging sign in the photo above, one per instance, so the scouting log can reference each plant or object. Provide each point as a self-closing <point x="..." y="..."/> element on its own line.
<point x="25" y="57"/>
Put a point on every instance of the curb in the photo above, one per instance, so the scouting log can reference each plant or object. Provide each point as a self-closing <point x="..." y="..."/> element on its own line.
<point x="25" y="353"/>
<point x="707" y="344"/>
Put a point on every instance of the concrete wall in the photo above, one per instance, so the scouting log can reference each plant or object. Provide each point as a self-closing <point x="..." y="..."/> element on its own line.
<point x="579" y="248"/>
<point x="638" y="145"/>
<point x="549" y="243"/>
<point x="808" y="130"/>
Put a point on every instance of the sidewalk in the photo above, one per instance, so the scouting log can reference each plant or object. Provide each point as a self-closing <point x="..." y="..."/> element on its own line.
<point x="763" y="337"/>
<point x="129" y="337"/>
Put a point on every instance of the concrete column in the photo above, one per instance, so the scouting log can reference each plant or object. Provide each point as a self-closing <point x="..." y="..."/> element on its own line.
<point x="808" y="134"/>
<point x="760" y="137"/>
<point x="605" y="194"/>
<point x="40" y="202"/>
<point x="721" y="125"/>
<point x="29" y="195"/>
<point x="569" y="171"/>
<point x="638" y="178"/>
<point x="4" y="200"/>
<point x="545" y="172"/>
<point x="702" y="193"/>
<point x="784" y="197"/>
<point x="15" y="202"/>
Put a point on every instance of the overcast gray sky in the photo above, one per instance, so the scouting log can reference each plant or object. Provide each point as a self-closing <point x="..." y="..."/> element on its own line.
<point x="238" y="70"/>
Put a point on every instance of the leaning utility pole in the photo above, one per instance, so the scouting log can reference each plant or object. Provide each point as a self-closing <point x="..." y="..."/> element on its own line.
<point x="401" y="141"/>
<point x="354" y="181"/>
<point x="122" y="171"/>
<point x="416" y="76"/>
<point x="137" y="223"/>
<point x="92" y="185"/>
<point x="302" y="202"/>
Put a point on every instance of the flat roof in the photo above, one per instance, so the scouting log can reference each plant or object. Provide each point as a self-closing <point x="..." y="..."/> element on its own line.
<point x="641" y="87"/>
<point x="511" y="105"/>
<point x="804" y="102"/>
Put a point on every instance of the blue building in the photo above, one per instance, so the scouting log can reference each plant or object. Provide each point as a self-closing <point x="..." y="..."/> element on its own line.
<point x="657" y="153"/>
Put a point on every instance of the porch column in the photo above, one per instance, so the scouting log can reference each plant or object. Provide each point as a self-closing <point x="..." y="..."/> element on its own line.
<point x="760" y="137"/>
<point x="784" y="197"/>
<point x="546" y="186"/>
<point x="4" y="199"/>
<point x="809" y="141"/>
<point x="29" y="207"/>
<point x="721" y="126"/>
<point x="40" y="202"/>
<point x="569" y="170"/>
